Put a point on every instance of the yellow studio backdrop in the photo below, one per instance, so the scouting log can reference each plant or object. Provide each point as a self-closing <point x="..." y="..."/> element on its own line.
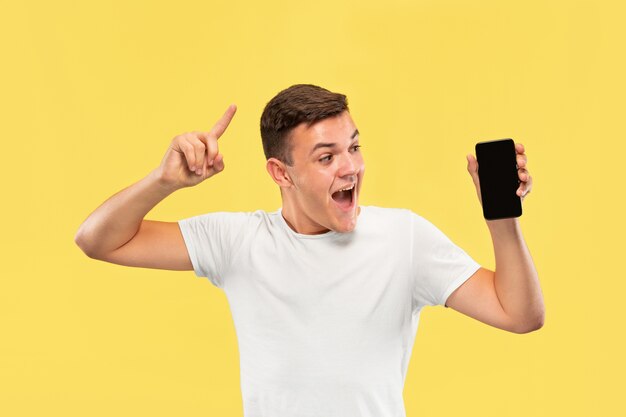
<point x="93" y="93"/>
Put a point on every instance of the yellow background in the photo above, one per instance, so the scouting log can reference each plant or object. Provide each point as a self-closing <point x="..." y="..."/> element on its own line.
<point x="93" y="93"/>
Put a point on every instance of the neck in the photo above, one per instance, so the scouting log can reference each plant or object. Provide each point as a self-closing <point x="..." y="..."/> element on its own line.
<point x="298" y="221"/>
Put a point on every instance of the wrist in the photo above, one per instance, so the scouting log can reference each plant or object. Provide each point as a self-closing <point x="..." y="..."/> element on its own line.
<point x="162" y="185"/>
<point x="504" y="227"/>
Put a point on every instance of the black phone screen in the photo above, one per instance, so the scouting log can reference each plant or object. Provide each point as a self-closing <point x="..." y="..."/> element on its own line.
<point x="497" y="173"/>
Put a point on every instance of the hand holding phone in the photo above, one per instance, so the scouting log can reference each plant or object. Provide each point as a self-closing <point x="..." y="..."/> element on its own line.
<point x="499" y="180"/>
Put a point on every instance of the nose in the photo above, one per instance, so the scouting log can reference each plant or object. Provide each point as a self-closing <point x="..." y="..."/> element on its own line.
<point x="348" y="166"/>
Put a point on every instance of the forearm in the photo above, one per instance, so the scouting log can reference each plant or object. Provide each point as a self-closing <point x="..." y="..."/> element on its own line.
<point x="516" y="279"/>
<point x="117" y="220"/>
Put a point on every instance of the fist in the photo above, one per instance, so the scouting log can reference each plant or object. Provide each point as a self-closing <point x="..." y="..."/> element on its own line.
<point x="193" y="157"/>
<point x="526" y="181"/>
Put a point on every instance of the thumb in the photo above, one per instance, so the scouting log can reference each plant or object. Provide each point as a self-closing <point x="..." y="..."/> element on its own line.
<point x="218" y="163"/>
<point x="472" y="167"/>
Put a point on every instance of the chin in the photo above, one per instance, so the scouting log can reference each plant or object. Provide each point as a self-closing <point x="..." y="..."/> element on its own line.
<point x="346" y="227"/>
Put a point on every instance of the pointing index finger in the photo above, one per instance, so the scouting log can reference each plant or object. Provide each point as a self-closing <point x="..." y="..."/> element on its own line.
<point x="223" y="122"/>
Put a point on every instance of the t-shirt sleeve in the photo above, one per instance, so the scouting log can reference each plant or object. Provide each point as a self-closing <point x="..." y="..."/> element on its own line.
<point x="438" y="265"/>
<point x="212" y="241"/>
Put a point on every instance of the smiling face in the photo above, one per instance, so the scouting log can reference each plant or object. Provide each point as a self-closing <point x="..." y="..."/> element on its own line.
<point x="321" y="189"/>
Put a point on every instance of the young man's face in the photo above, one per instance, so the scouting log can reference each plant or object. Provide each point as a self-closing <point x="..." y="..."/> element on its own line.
<point x="326" y="159"/>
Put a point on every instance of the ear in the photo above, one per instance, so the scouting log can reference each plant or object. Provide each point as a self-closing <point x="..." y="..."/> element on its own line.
<point x="278" y="171"/>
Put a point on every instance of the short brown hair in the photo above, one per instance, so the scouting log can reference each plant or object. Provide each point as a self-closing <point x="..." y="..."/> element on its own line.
<point x="297" y="104"/>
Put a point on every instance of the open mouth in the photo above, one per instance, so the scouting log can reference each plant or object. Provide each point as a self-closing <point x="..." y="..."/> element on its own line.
<point x="345" y="197"/>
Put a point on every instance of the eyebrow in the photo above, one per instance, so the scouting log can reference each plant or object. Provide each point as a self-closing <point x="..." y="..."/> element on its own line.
<point x="331" y="145"/>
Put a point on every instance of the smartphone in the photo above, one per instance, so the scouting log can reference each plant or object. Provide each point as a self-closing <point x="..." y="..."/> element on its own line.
<point x="499" y="181"/>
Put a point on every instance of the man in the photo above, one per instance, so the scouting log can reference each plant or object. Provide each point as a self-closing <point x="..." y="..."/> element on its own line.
<point x="325" y="294"/>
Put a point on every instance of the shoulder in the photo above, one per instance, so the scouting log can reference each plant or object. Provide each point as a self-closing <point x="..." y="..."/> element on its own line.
<point x="232" y="219"/>
<point x="397" y="218"/>
<point x="387" y="218"/>
<point x="388" y="214"/>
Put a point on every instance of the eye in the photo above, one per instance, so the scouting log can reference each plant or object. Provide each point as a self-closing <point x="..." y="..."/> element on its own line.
<point x="355" y="148"/>
<point x="326" y="158"/>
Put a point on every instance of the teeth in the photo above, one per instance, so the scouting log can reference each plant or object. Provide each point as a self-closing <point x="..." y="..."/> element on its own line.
<point x="346" y="189"/>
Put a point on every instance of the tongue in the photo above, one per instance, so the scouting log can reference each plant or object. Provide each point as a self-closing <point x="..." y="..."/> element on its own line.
<point x="344" y="198"/>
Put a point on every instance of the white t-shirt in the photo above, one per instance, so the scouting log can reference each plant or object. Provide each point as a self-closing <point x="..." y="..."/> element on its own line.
<point x="325" y="323"/>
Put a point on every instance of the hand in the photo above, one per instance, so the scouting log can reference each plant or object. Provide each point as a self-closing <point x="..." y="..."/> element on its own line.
<point x="526" y="181"/>
<point x="194" y="157"/>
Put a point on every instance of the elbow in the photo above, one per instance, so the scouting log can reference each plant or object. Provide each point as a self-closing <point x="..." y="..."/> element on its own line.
<point x="532" y="324"/>
<point x="83" y="243"/>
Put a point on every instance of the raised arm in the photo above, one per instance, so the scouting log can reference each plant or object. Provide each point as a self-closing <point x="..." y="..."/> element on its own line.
<point x="117" y="232"/>
<point x="510" y="297"/>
